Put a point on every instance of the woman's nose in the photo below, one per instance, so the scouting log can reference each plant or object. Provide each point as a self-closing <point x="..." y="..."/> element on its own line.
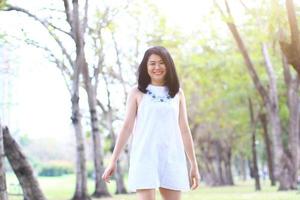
<point x="157" y="65"/>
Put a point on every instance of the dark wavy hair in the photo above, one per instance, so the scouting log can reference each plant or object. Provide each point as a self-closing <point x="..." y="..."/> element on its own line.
<point x="171" y="78"/>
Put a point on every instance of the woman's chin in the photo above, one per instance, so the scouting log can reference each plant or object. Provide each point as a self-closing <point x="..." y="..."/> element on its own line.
<point x="158" y="77"/>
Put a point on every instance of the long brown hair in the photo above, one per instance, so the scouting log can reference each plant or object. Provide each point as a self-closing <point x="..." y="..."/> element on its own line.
<point x="171" y="78"/>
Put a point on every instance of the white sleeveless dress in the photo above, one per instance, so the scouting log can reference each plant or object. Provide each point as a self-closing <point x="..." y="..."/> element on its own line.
<point x="157" y="156"/>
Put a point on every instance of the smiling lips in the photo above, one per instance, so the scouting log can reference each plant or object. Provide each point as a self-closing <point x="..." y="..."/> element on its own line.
<point x="158" y="73"/>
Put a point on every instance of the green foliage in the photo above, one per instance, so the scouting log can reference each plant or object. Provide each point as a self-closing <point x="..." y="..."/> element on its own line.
<point x="60" y="168"/>
<point x="107" y="144"/>
<point x="90" y="169"/>
<point x="24" y="140"/>
<point x="55" y="168"/>
<point x="2" y="4"/>
<point x="217" y="86"/>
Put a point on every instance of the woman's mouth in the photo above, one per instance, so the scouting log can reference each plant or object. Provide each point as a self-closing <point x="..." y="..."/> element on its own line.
<point x="158" y="73"/>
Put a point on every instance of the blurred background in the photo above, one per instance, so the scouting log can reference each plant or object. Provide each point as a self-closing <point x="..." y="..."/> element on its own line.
<point x="66" y="68"/>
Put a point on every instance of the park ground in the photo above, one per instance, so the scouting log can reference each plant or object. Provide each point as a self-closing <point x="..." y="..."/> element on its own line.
<point x="61" y="188"/>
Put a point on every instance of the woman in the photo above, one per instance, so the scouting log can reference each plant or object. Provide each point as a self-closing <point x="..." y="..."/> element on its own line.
<point x="156" y="112"/>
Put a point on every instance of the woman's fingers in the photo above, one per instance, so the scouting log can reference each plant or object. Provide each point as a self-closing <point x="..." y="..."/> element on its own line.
<point x="106" y="175"/>
<point x="195" y="182"/>
<point x="108" y="172"/>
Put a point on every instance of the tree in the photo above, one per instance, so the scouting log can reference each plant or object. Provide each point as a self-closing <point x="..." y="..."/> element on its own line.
<point x="254" y="153"/>
<point x="291" y="53"/>
<point x="76" y="34"/>
<point x="91" y="90"/>
<point x="282" y="159"/>
<point x="267" y="141"/>
<point x="3" y="192"/>
<point x="22" y="168"/>
<point x="292" y="49"/>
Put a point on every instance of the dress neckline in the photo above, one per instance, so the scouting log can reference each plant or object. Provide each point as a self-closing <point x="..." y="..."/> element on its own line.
<point x="158" y="89"/>
<point x="157" y="86"/>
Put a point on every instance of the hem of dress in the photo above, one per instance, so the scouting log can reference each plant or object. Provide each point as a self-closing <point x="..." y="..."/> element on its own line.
<point x="173" y="188"/>
<point x="157" y="187"/>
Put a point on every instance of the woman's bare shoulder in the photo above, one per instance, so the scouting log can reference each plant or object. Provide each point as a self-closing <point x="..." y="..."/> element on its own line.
<point x="134" y="91"/>
<point x="180" y="92"/>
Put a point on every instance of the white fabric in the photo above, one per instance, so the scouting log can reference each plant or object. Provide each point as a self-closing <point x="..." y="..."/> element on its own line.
<point x="157" y="157"/>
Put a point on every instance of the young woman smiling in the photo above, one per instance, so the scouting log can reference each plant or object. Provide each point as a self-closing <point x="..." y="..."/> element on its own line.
<point x="156" y="116"/>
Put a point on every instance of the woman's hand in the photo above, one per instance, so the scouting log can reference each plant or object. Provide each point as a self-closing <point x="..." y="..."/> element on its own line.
<point x="194" y="177"/>
<point x="109" y="172"/>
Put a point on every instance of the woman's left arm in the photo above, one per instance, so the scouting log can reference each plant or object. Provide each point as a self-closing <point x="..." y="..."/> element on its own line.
<point x="188" y="140"/>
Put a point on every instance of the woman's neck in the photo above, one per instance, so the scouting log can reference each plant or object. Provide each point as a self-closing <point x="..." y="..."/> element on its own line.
<point x="157" y="83"/>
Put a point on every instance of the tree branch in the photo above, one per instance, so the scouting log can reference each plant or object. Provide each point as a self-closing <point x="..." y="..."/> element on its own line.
<point x="68" y="13"/>
<point x="99" y="68"/>
<point x="292" y="50"/>
<point x="85" y="19"/>
<point x="45" y="25"/>
<point x="232" y="27"/>
<point x="293" y="22"/>
<point x="101" y="106"/>
<point x="119" y="65"/>
<point x="60" y="64"/>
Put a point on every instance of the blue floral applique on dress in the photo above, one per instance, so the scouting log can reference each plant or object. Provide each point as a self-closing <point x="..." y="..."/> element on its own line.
<point x="158" y="98"/>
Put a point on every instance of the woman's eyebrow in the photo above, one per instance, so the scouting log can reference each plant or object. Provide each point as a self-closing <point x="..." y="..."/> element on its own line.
<point x="155" y="60"/>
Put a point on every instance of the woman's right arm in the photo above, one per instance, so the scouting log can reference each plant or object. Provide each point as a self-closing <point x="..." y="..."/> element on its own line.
<point x="126" y="130"/>
<point x="131" y="108"/>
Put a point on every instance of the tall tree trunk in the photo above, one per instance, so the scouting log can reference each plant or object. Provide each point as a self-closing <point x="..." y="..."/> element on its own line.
<point x="294" y="112"/>
<point x="81" y="173"/>
<point x="119" y="180"/>
<point x="292" y="51"/>
<point x="284" y="175"/>
<point x="91" y="85"/>
<point x="227" y="166"/>
<point x="251" y="169"/>
<point x="253" y="146"/>
<point x="218" y="155"/>
<point x="210" y="175"/>
<point x="22" y="168"/>
<point x="217" y="163"/>
<point x="3" y="190"/>
<point x="101" y="189"/>
<point x="243" y="168"/>
<point x="100" y="186"/>
<point x="268" y="146"/>
<point x="281" y="159"/>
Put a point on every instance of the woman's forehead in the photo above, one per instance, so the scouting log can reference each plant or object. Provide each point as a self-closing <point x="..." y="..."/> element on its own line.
<point x="154" y="57"/>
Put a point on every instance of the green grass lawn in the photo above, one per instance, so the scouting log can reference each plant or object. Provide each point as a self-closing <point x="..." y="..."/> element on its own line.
<point x="61" y="188"/>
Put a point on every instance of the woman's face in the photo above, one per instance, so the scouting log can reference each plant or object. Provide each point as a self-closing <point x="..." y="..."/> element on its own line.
<point x="156" y="68"/>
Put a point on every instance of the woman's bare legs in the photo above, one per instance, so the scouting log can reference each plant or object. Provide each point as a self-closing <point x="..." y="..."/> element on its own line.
<point x="145" y="194"/>
<point x="168" y="194"/>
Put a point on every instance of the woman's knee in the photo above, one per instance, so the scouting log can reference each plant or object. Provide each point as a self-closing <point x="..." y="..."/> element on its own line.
<point x="146" y="194"/>
<point x="168" y="194"/>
